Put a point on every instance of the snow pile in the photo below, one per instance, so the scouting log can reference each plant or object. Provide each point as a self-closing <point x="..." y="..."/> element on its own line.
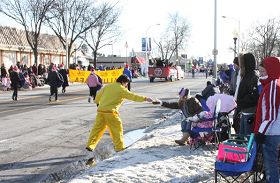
<point x="155" y="158"/>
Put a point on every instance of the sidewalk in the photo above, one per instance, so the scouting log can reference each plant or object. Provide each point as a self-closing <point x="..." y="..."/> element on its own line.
<point x="155" y="158"/>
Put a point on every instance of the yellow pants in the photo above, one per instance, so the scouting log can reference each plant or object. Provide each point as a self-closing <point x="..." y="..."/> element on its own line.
<point x="114" y="124"/>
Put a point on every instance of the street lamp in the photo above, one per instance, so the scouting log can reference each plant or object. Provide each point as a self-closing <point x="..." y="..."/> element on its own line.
<point x="146" y="50"/>
<point x="215" y="51"/>
<point x="234" y="41"/>
<point x="238" y="34"/>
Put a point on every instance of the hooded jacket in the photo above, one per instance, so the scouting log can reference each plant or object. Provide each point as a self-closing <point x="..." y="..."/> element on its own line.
<point x="248" y="95"/>
<point x="268" y="105"/>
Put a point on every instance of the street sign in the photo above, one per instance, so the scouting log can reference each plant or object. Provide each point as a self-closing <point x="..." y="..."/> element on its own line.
<point x="215" y="52"/>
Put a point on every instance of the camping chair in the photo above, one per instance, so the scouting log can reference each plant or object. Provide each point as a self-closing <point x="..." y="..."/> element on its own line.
<point x="204" y="136"/>
<point x="235" y="160"/>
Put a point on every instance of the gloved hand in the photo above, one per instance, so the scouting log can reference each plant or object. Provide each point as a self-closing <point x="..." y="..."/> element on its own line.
<point x="260" y="138"/>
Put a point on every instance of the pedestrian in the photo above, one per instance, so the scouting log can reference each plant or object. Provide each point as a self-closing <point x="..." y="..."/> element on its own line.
<point x="109" y="100"/>
<point x="193" y="72"/>
<point x="93" y="84"/>
<point x="233" y="90"/>
<point x="206" y="73"/>
<point x="128" y="73"/>
<point x="4" y="72"/>
<point x="247" y="97"/>
<point x="55" y="80"/>
<point x="63" y="72"/>
<point x="15" y="82"/>
<point x="267" y="122"/>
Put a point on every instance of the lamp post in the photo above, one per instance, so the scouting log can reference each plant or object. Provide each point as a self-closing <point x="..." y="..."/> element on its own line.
<point x="234" y="42"/>
<point x="238" y="34"/>
<point x="215" y="51"/>
<point x="146" y="50"/>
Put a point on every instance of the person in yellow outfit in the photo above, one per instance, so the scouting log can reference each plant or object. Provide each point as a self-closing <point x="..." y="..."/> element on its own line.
<point x="109" y="100"/>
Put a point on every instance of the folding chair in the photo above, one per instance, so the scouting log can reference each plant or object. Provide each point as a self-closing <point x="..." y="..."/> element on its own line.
<point x="238" y="162"/>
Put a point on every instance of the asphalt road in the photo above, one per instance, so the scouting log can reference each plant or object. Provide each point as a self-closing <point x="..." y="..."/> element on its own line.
<point x="38" y="139"/>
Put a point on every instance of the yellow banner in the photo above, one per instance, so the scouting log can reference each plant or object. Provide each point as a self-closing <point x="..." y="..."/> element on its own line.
<point x="81" y="76"/>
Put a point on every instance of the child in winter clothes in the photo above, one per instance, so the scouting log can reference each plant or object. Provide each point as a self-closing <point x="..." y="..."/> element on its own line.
<point x="92" y="82"/>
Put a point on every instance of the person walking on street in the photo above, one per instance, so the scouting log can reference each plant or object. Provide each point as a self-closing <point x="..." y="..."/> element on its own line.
<point x="15" y="81"/>
<point x="109" y="99"/>
<point x="267" y="122"/>
<point x="55" y="80"/>
<point x="128" y="73"/>
<point x="248" y="94"/>
<point x="65" y="83"/>
<point x="93" y="84"/>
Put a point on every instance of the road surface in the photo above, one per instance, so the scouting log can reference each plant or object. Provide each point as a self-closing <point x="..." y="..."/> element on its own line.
<point x="38" y="139"/>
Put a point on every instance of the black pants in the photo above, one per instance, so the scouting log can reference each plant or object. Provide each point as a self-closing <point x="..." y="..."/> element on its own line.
<point x="15" y="93"/>
<point x="128" y="86"/>
<point x="63" y="89"/>
<point x="92" y="92"/>
<point x="236" y="121"/>
<point x="53" y="90"/>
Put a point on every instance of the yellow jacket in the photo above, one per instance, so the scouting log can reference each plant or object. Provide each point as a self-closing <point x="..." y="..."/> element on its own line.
<point x="110" y="97"/>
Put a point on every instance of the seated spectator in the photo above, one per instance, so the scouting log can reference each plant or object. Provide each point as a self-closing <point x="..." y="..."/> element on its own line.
<point x="192" y="109"/>
<point x="210" y="90"/>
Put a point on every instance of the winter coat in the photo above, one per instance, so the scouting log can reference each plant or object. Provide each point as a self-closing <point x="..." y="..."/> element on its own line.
<point x="267" y="119"/>
<point x="3" y="72"/>
<point x="247" y="97"/>
<point x="63" y="72"/>
<point x="15" y="81"/>
<point x="208" y="91"/>
<point x="92" y="80"/>
<point x="54" y="79"/>
<point x="128" y="73"/>
<point x="189" y="107"/>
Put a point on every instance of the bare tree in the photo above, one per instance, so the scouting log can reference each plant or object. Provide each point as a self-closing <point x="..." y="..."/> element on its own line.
<point x="104" y="33"/>
<point x="31" y="14"/>
<point x="264" y="39"/>
<point x="175" y="38"/>
<point x="70" y="19"/>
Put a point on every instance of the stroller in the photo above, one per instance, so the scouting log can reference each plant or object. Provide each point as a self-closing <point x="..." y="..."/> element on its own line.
<point x="220" y="106"/>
